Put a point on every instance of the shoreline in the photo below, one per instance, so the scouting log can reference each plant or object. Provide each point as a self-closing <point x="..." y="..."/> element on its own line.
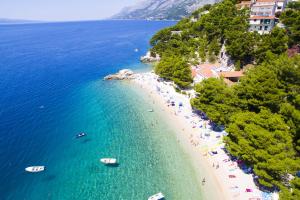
<point x="198" y="142"/>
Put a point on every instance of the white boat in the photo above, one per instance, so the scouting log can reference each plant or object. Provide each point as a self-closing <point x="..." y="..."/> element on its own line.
<point x="136" y="50"/>
<point x="158" y="196"/>
<point x="35" y="169"/>
<point x="108" y="161"/>
<point x="80" y="135"/>
<point x="150" y="110"/>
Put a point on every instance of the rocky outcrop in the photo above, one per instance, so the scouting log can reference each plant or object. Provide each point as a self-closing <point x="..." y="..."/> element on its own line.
<point x="225" y="59"/>
<point x="124" y="74"/>
<point x="149" y="59"/>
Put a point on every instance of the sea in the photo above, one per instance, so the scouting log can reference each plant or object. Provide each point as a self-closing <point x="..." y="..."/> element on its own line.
<point x="52" y="88"/>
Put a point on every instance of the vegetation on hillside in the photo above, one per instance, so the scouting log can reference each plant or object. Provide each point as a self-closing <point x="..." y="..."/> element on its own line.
<point x="262" y="116"/>
<point x="261" y="113"/>
<point x="291" y="19"/>
<point x="217" y="25"/>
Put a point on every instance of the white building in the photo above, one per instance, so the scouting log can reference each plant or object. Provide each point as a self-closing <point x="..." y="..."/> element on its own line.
<point x="262" y="15"/>
<point x="262" y="24"/>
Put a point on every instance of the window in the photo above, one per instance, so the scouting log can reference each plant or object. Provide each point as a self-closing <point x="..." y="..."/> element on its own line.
<point x="255" y="20"/>
<point x="260" y="28"/>
<point x="261" y="21"/>
<point x="267" y="21"/>
<point x="279" y="7"/>
<point x="266" y="28"/>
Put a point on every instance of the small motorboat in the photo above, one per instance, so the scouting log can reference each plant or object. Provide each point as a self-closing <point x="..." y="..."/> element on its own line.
<point x="150" y="110"/>
<point x="109" y="161"/>
<point x="136" y="50"/>
<point x="80" y="135"/>
<point x="35" y="169"/>
<point x="158" y="196"/>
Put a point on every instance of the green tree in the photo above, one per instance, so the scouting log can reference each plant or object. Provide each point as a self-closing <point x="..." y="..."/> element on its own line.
<point x="276" y="42"/>
<point x="216" y="99"/>
<point x="263" y="141"/>
<point x="291" y="19"/>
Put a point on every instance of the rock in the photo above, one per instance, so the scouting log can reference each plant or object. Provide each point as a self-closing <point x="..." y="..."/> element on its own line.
<point x="148" y="58"/>
<point x="124" y="74"/>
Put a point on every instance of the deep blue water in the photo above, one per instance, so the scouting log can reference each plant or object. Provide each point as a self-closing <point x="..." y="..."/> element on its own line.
<point x="51" y="88"/>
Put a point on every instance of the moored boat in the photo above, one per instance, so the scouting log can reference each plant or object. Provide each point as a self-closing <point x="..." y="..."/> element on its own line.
<point x="158" y="196"/>
<point x="35" y="169"/>
<point x="80" y="135"/>
<point x="109" y="161"/>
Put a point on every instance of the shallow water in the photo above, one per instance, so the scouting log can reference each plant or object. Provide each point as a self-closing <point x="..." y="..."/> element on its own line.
<point x="51" y="89"/>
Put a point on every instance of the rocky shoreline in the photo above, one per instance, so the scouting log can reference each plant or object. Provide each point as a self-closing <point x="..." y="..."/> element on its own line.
<point x="150" y="59"/>
<point x="124" y="74"/>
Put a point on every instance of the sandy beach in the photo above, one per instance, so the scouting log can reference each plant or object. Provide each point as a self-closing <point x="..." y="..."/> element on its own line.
<point x="223" y="178"/>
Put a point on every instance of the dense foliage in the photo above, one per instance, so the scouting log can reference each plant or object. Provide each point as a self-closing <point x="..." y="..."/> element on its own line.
<point x="291" y="19"/>
<point x="203" y="34"/>
<point x="262" y="112"/>
<point x="262" y="116"/>
<point x="175" y="69"/>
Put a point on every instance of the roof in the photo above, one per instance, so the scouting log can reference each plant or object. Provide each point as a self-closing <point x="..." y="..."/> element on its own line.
<point x="262" y="17"/>
<point x="207" y="73"/>
<point x="259" y="5"/>
<point x="232" y="74"/>
<point x="194" y="73"/>
<point x="205" y="70"/>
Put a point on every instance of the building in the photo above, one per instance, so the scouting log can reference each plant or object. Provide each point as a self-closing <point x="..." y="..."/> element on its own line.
<point x="263" y="14"/>
<point x="231" y="77"/>
<point x="205" y="71"/>
<point x="262" y="24"/>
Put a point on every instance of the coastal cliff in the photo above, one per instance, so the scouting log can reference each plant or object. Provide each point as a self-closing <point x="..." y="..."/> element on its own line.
<point x="162" y="9"/>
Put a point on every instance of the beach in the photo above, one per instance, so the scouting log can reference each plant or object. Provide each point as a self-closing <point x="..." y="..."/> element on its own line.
<point x="221" y="178"/>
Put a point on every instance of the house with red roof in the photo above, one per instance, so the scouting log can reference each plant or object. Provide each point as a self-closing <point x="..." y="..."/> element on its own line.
<point x="205" y="71"/>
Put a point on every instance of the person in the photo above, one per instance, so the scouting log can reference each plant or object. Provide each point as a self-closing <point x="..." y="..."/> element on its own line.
<point x="203" y="181"/>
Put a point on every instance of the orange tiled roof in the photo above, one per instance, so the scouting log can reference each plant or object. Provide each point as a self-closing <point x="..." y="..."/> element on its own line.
<point x="262" y="17"/>
<point x="257" y="5"/>
<point x="194" y="73"/>
<point x="207" y="73"/>
<point x="231" y="74"/>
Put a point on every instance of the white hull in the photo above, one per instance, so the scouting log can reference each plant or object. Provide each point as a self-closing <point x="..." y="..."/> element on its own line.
<point x="35" y="169"/>
<point x="108" y="161"/>
<point x="158" y="196"/>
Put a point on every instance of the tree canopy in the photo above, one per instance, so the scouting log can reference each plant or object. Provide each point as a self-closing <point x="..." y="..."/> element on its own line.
<point x="262" y="112"/>
<point x="262" y="116"/>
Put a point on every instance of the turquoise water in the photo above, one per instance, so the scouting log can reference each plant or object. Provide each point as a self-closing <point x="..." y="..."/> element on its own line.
<point x="51" y="89"/>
